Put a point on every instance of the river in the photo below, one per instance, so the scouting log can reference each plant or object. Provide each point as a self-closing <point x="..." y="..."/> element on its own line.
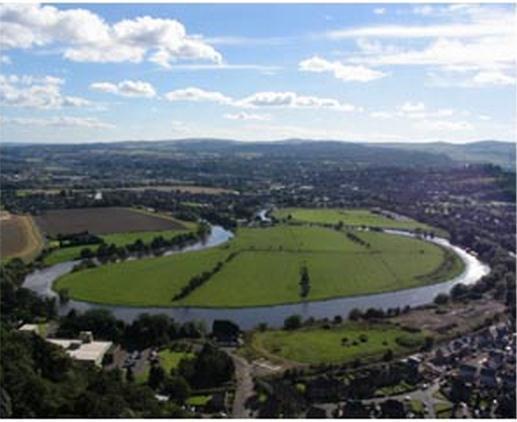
<point x="41" y="282"/>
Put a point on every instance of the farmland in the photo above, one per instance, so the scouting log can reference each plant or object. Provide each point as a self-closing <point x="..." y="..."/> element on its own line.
<point x="103" y="221"/>
<point x="264" y="269"/>
<point x="340" y="344"/>
<point x="349" y="217"/>
<point x="19" y="237"/>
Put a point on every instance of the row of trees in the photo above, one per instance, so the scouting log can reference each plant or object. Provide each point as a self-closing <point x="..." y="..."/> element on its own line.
<point x="200" y="279"/>
<point x="145" y="331"/>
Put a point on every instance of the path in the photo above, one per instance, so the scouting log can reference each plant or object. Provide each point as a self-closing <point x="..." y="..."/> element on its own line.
<point x="244" y="388"/>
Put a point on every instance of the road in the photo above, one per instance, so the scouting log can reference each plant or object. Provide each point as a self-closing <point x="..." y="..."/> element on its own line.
<point x="244" y="388"/>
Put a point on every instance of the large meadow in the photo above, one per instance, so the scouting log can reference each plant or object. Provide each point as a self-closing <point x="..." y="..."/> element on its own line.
<point x="262" y="267"/>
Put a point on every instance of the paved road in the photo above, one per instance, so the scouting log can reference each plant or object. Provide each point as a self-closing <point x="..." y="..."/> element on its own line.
<point x="244" y="389"/>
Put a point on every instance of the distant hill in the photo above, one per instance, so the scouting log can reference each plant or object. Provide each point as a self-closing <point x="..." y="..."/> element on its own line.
<point x="437" y="154"/>
<point x="494" y="152"/>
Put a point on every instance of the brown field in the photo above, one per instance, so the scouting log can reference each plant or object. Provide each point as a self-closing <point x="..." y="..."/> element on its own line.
<point x="182" y="188"/>
<point x="103" y="221"/>
<point x="19" y="237"/>
<point x="208" y="190"/>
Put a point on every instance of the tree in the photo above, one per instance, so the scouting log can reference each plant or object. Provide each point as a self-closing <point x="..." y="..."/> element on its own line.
<point x="441" y="299"/>
<point x="293" y="322"/>
<point x="156" y="377"/>
<point x="355" y="314"/>
<point x="459" y="291"/>
<point x="210" y="368"/>
<point x="177" y="388"/>
<point x="388" y="355"/>
<point x="304" y="282"/>
<point x="130" y="376"/>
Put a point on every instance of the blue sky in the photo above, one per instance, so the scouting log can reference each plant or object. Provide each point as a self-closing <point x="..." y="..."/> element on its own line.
<point x="367" y="72"/>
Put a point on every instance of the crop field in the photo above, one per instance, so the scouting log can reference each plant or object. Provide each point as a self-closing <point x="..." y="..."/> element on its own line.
<point x="102" y="221"/>
<point x="19" y="237"/>
<point x="350" y="217"/>
<point x="340" y="344"/>
<point x="264" y="269"/>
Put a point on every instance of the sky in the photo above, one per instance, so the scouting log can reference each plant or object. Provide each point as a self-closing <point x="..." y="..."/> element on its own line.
<point x="74" y="73"/>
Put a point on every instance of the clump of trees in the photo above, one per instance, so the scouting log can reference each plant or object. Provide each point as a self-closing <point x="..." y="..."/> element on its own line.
<point x="39" y="380"/>
<point x="210" y="368"/>
<point x="17" y="302"/>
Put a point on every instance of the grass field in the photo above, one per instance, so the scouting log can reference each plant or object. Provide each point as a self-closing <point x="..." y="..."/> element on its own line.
<point x="103" y="221"/>
<point x="320" y="345"/>
<point x="19" y="237"/>
<point x="350" y="217"/>
<point x="266" y="270"/>
<point x="169" y="359"/>
<point x="120" y="239"/>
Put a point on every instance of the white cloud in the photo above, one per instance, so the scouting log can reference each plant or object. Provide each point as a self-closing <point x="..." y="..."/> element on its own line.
<point x="260" y="99"/>
<point x="448" y="53"/>
<point x="62" y="121"/>
<point x="409" y="107"/>
<point x="379" y="11"/>
<point x="475" y="41"/>
<point x="247" y="116"/>
<point x="126" y="88"/>
<point x="5" y="59"/>
<point x="416" y="111"/>
<point x="445" y="126"/>
<point x="36" y="92"/>
<point x="197" y="95"/>
<point x="339" y="70"/>
<point x="493" y="78"/>
<point x="292" y="100"/>
<point x="457" y="21"/>
<point x="87" y="37"/>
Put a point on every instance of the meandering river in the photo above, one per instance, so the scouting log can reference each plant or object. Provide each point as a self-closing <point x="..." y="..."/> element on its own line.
<point x="41" y="282"/>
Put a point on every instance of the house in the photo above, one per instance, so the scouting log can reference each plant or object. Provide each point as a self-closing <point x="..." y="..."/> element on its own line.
<point x="487" y="377"/>
<point x="393" y="409"/>
<point x="218" y="402"/>
<point x="316" y="412"/>
<point x="442" y="357"/>
<point x="508" y="381"/>
<point x="468" y="373"/>
<point x="226" y="332"/>
<point x="30" y="328"/>
<point x="355" y="409"/>
<point x="84" y="349"/>
<point x="324" y="389"/>
<point x="495" y="359"/>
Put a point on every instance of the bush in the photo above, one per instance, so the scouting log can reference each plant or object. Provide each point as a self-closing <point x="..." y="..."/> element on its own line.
<point x="441" y="299"/>
<point x="293" y="322"/>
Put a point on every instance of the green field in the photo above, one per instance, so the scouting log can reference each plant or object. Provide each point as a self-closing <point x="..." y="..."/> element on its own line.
<point x="350" y="217"/>
<point x="266" y="268"/>
<point x="119" y="239"/>
<point x="320" y="345"/>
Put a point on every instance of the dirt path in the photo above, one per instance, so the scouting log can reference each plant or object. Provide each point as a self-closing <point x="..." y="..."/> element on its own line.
<point x="244" y="388"/>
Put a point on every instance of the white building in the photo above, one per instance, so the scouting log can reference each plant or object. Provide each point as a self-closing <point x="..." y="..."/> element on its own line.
<point x="85" y="348"/>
